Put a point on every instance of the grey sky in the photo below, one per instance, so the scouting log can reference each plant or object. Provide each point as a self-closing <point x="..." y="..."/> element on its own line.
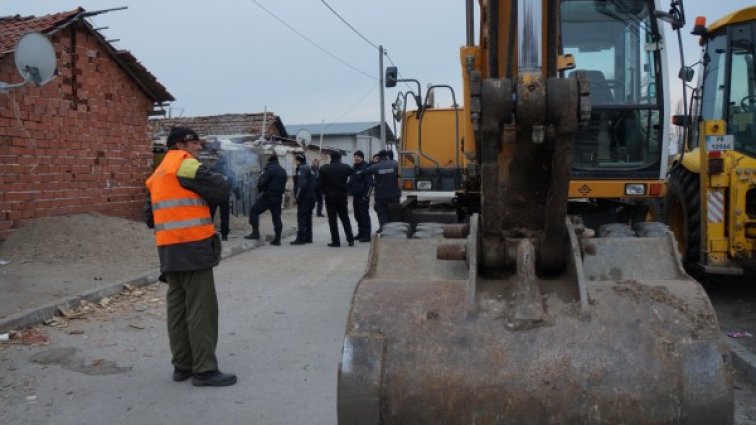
<point x="231" y="56"/>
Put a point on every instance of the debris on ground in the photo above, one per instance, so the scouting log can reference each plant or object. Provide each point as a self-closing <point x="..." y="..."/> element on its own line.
<point x="31" y="336"/>
<point x="4" y="262"/>
<point x="129" y="299"/>
<point x="739" y="334"/>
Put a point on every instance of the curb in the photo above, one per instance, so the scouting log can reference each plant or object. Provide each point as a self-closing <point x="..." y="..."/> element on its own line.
<point x="38" y="315"/>
<point x="743" y="360"/>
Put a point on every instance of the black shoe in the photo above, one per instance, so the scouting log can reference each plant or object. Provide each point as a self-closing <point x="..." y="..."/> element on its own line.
<point x="213" y="379"/>
<point x="224" y="237"/>
<point x="351" y="242"/>
<point x="365" y="239"/>
<point x="181" y="375"/>
<point x="253" y="235"/>
<point x="334" y="244"/>
<point x="297" y="242"/>
<point x="276" y="242"/>
<point x="359" y="236"/>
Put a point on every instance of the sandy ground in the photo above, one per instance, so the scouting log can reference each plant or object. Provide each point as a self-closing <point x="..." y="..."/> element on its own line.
<point x="55" y="257"/>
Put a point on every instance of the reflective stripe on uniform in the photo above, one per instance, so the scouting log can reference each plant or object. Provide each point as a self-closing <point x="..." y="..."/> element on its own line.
<point x="180" y="202"/>
<point x="172" y="225"/>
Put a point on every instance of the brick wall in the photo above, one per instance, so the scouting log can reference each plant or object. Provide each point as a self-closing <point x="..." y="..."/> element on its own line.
<point x="82" y="144"/>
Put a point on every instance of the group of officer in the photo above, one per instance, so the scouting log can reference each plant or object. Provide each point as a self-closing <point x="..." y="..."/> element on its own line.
<point x="335" y="182"/>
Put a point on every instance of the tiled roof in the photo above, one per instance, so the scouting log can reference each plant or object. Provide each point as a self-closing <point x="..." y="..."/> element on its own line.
<point x="228" y="124"/>
<point x="12" y="27"/>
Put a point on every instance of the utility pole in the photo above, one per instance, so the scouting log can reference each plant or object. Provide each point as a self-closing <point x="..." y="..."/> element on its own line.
<point x="383" y="109"/>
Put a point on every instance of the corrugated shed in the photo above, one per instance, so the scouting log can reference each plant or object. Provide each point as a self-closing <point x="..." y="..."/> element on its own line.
<point x="337" y="129"/>
<point x="13" y="27"/>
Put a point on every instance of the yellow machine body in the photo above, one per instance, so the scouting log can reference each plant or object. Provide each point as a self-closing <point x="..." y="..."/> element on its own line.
<point x="716" y="176"/>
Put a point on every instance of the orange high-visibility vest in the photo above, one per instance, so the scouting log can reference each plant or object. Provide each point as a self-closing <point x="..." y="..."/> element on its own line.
<point x="180" y="214"/>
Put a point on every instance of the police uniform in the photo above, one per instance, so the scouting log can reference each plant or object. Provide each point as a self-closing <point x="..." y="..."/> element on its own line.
<point x="386" y="180"/>
<point x="272" y="185"/>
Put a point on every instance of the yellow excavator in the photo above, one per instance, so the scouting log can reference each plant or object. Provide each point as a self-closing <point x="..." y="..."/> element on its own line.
<point x="711" y="202"/>
<point x="520" y="314"/>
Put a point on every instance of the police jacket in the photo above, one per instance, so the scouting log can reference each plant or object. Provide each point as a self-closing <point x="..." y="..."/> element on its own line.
<point x="359" y="182"/>
<point x="305" y="183"/>
<point x="180" y="190"/>
<point x="333" y="179"/>
<point x="386" y="178"/>
<point x="273" y="179"/>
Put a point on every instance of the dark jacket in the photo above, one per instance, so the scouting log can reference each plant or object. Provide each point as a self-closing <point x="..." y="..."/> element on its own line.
<point x="198" y="255"/>
<point x="305" y="183"/>
<point x="359" y="182"/>
<point x="273" y="179"/>
<point x="386" y="178"/>
<point x="333" y="179"/>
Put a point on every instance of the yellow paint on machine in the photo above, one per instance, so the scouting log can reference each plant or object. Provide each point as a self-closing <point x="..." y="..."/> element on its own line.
<point x="614" y="188"/>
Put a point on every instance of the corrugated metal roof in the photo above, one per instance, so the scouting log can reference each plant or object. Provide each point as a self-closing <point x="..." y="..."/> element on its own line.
<point x="228" y="124"/>
<point x="336" y="129"/>
<point x="12" y="27"/>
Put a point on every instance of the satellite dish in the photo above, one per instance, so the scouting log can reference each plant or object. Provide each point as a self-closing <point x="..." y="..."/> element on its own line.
<point x="304" y="137"/>
<point x="35" y="58"/>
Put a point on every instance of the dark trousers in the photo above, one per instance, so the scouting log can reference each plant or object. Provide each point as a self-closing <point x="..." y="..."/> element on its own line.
<point x="319" y="201"/>
<point x="264" y="203"/>
<point x="304" y="219"/>
<point x="381" y="208"/>
<point x="336" y="205"/>
<point x="224" y="216"/>
<point x="192" y="308"/>
<point x="361" y="207"/>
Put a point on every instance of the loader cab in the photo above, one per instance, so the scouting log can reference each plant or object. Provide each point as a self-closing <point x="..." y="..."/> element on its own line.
<point x="618" y="46"/>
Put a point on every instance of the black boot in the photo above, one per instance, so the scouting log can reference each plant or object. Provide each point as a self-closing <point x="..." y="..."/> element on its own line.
<point x="277" y="240"/>
<point x="213" y="379"/>
<point x="300" y="240"/>
<point x="254" y="235"/>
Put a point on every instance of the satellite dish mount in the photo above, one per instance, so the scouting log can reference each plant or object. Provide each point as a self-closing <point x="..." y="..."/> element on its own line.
<point x="304" y="138"/>
<point x="35" y="60"/>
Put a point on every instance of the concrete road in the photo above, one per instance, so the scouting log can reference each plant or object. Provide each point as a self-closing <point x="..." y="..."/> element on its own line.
<point x="283" y="311"/>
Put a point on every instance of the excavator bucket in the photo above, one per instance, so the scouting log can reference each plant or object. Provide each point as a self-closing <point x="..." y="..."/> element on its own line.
<point x="622" y="336"/>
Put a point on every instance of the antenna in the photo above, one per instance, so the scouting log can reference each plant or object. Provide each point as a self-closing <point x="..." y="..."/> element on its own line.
<point x="304" y="138"/>
<point x="35" y="60"/>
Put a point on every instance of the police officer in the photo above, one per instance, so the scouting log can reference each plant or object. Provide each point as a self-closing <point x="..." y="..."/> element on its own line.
<point x="333" y="181"/>
<point x="304" y="193"/>
<point x="386" y="180"/>
<point x="359" y="188"/>
<point x="315" y="167"/>
<point x="272" y="185"/>
<point x="188" y="247"/>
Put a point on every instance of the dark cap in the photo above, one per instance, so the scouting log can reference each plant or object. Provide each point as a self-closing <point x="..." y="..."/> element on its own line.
<point x="300" y="158"/>
<point x="382" y="154"/>
<point x="181" y="134"/>
<point x="360" y="154"/>
<point x="335" y="156"/>
<point x="273" y="157"/>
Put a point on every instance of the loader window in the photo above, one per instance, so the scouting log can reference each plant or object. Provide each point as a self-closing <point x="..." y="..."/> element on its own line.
<point x="741" y="116"/>
<point x="615" y="44"/>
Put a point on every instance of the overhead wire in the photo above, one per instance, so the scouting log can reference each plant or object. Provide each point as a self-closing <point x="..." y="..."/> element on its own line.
<point x="321" y="48"/>
<point x="348" y="24"/>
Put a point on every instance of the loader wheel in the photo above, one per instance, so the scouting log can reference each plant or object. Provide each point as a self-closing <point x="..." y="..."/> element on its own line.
<point x="682" y="213"/>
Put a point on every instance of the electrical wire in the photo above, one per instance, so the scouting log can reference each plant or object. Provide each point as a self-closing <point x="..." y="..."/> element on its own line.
<point x="323" y="49"/>
<point x="348" y="24"/>
<point x="29" y="138"/>
<point x="353" y="107"/>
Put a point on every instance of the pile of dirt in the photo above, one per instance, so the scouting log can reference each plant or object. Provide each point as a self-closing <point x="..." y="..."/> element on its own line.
<point x="85" y="239"/>
<point x="60" y="256"/>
